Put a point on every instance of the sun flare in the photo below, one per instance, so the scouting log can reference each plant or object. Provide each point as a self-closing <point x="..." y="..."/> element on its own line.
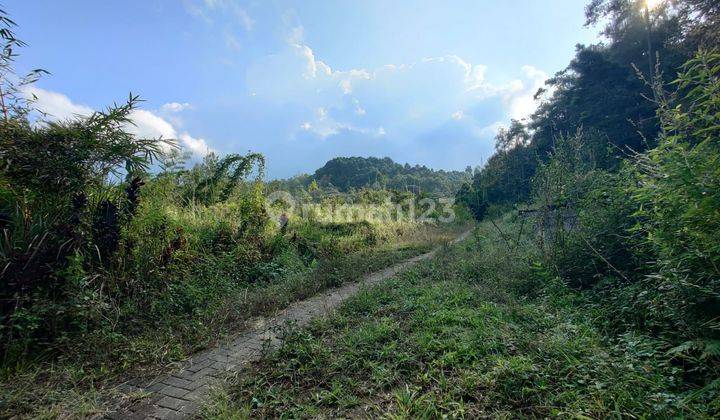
<point x="653" y="4"/>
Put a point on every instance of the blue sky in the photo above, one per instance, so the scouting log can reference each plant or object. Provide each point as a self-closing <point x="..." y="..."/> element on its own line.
<point x="304" y="81"/>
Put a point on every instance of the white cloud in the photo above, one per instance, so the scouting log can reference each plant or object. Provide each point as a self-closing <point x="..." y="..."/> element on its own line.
<point x="148" y="125"/>
<point x="323" y="125"/>
<point x="522" y="102"/>
<point x="197" y="146"/>
<point x="490" y="130"/>
<point x="175" y="106"/>
<point x="145" y="124"/>
<point x="473" y="75"/>
<point x="410" y="98"/>
<point x="56" y="105"/>
<point x="534" y="73"/>
<point x="295" y="35"/>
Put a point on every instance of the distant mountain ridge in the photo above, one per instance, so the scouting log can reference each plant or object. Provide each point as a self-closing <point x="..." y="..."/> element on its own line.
<point x="346" y="173"/>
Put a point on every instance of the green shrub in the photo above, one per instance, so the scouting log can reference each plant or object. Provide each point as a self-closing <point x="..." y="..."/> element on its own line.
<point x="59" y="205"/>
<point x="678" y="198"/>
<point x="583" y="216"/>
<point x="645" y="240"/>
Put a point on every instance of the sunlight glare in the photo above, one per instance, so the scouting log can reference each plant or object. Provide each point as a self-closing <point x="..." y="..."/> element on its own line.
<point x="652" y="4"/>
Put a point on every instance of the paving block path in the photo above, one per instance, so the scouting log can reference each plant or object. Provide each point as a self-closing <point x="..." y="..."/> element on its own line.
<point x="179" y="394"/>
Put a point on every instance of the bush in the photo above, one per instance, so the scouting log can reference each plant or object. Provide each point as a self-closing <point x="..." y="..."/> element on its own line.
<point x="645" y="240"/>
<point x="58" y="208"/>
<point x="583" y="216"/>
<point x="678" y="197"/>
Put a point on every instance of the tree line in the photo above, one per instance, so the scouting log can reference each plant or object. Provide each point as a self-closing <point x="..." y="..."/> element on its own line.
<point x="607" y="90"/>
<point x="619" y="169"/>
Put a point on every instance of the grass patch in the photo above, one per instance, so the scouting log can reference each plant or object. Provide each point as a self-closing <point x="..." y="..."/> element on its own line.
<point x="81" y="384"/>
<point x="461" y="336"/>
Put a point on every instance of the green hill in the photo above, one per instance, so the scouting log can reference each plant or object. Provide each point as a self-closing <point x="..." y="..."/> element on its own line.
<point x="346" y="173"/>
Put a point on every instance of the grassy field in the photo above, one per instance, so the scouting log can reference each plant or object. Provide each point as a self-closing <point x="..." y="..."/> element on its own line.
<point x="219" y="302"/>
<point x="479" y="331"/>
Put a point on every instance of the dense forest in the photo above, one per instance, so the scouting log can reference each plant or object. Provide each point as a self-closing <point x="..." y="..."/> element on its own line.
<point x="611" y="92"/>
<point x="356" y="172"/>
<point x="345" y="174"/>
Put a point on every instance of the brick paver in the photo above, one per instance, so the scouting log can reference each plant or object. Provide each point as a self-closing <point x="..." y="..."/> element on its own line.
<point x="179" y="394"/>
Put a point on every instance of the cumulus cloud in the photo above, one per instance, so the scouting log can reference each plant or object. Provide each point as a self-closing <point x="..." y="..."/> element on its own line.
<point x="197" y="146"/>
<point x="325" y="125"/>
<point x="145" y="124"/>
<point x="56" y="105"/>
<point x="490" y="129"/>
<point x="295" y="35"/>
<point x="411" y="98"/>
<point x="443" y="111"/>
<point x="522" y="101"/>
<point x="175" y="106"/>
<point x="148" y="125"/>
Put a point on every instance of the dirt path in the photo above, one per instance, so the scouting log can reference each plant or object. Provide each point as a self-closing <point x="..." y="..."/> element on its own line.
<point x="179" y="394"/>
